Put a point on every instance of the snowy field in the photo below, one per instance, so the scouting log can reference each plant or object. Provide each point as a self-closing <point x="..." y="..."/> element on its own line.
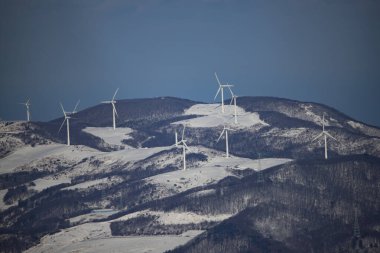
<point x="172" y="218"/>
<point x="28" y="154"/>
<point x="212" y="116"/>
<point x="88" y="184"/>
<point x="44" y="183"/>
<point x="110" y="135"/>
<point x="216" y="168"/>
<point x="129" y="155"/>
<point x="95" y="214"/>
<point x="97" y="238"/>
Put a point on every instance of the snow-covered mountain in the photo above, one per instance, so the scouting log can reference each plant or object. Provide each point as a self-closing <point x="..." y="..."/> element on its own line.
<point x="126" y="187"/>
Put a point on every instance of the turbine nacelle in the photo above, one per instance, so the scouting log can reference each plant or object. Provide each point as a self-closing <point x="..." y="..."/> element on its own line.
<point x="68" y="113"/>
<point x="27" y="103"/>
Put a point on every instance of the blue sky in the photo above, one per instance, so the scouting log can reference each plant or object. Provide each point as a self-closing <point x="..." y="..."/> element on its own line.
<point x="325" y="51"/>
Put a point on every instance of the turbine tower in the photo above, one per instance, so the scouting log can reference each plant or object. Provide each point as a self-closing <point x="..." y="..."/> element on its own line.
<point x="67" y="118"/>
<point x="27" y="104"/>
<point x="184" y="146"/>
<point x="114" y="112"/>
<point x="176" y="138"/>
<point x="324" y="134"/>
<point x="225" y="131"/>
<point x="233" y="100"/>
<point x="221" y="87"/>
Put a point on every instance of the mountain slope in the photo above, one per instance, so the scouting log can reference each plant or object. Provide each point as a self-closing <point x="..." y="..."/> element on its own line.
<point x="307" y="207"/>
<point x="275" y="193"/>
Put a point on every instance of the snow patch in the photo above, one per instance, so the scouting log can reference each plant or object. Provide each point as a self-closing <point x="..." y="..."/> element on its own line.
<point x="355" y="124"/>
<point x="174" y="218"/>
<point x="289" y="133"/>
<point x="171" y="218"/>
<point x="27" y="155"/>
<point x="216" y="168"/>
<point x="110" y="135"/>
<point x="212" y="116"/>
<point x="46" y="182"/>
<point x="95" y="214"/>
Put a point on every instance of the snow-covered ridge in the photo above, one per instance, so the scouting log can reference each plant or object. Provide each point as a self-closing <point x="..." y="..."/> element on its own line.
<point x="212" y="116"/>
<point x="371" y="131"/>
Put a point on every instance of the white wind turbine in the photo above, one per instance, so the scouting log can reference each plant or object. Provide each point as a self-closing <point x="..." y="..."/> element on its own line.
<point x="67" y="118"/>
<point x="184" y="147"/>
<point x="325" y="134"/>
<point x="221" y="87"/>
<point x="233" y="100"/>
<point x="225" y="131"/>
<point x="27" y="104"/>
<point x="114" y="112"/>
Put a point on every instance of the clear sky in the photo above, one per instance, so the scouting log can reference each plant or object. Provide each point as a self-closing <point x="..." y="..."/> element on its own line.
<point x="325" y="51"/>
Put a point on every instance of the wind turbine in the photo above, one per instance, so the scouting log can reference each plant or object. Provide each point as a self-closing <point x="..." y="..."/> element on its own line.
<point x="113" y="102"/>
<point x="233" y="99"/>
<point x="225" y="130"/>
<point x="67" y="120"/>
<point x="221" y="87"/>
<point x="27" y="104"/>
<point x="325" y="134"/>
<point x="184" y="147"/>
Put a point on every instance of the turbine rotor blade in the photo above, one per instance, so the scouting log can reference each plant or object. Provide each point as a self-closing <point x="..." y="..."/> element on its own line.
<point x="183" y="132"/>
<point x="62" y="125"/>
<point x="220" y="136"/>
<point x="115" y="94"/>
<point x="318" y="136"/>
<point x="329" y="135"/>
<point x="217" y="93"/>
<point x="75" y="108"/>
<point x="217" y="79"/>
<point x="232" y="94"/>
<point x="63" y="110"/>
<point x="114" y="108"/>
<point x="184" y="144"/>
